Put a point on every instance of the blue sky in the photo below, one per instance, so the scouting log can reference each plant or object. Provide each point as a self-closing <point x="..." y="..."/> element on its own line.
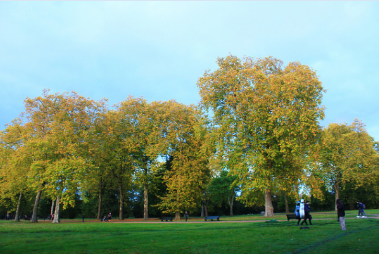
<point x="158" y="50"/>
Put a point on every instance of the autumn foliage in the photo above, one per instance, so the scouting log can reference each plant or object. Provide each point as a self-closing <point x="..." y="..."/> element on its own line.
<point x="257" y="130"/>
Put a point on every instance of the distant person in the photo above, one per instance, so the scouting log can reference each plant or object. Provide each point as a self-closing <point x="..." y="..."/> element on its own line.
<point x="186" y="215"/>
<point x="110" y="216"/>
<point x="360" y="209"/>
<point x="307" y="214"/>
<point x="363" y="210"/>
<point x="341" y="214"/>
<point x="83" y="216"/>
<point x="297" y="212"/>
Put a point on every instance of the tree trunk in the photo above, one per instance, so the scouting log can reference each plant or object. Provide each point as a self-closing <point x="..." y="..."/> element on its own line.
<point x="121" y="214"/>
<point x="56" y="214"/>
<point x="231" y="201"/>
<point x="100" y="199"/>
<point x="145" y="202"/>
<point x="177" y="216"/>
<point x="146" y="194"/>
<point x="285" y="202"/>
<point x="52" y="207"/>
<point x="337" y="196"/>
<point x="35" y="209"/>
<point x="204" y="210"/>
<point x="17" y="216"/>
<point x="269" y="209"/>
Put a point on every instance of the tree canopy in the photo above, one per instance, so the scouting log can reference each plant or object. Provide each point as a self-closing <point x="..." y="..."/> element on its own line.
<point x="347" y="156"/>
<point x="267" y="118"/>
<point x="256" y="130"/>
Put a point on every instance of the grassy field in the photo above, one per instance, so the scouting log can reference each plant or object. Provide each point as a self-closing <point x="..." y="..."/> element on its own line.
<point x="73" y="236"/>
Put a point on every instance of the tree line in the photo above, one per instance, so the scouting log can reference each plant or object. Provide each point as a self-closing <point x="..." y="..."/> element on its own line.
<point x="254" y="139"/>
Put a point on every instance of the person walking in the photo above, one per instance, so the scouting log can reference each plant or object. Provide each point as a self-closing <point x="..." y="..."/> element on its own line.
<point x="83" y="216"/>
<point x="363" y="210"/>
<point x="297" y="212"/>
<point x="341" y="214"/>
<point x="186" y="215"/>
<point x="307" y="215"/>
<point x="360" y="209"/>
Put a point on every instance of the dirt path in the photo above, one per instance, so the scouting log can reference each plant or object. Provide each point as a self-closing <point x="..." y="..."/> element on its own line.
<point x="371" y="216"/>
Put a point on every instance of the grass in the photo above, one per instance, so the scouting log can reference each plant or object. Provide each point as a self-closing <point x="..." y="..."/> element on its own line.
<point x="73" y="236"/>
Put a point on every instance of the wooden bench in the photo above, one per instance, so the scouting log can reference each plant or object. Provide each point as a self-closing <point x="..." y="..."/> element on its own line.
<point x="291" y="216"/>
<point x="167" y="218"/>
<point x="212" y="218"/>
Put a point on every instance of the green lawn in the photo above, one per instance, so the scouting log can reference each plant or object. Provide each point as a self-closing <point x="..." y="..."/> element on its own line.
<point x="72" y="236"/>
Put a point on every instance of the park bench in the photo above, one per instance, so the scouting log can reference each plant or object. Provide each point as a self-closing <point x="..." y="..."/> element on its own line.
<point x="212" y="218"/>
<point x="291" y="216"/>
<point x="167" y="218"/>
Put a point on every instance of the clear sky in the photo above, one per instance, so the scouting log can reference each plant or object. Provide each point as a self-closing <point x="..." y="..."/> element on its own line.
<point x="158" y="50"/>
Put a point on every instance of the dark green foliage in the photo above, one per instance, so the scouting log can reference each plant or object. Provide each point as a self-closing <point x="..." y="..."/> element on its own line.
<point x="73" y="212"/>
<point x="240" y="208"/>
<point x="44" y="208"/>
<point x="222" y="189"/>
<point x="89" y="207"/>
<point x="137" y="204"/>
<point x="3" y="211"/>
<point x="158" y="188"/>
<point x="367" y="194"/>
<point x="326" y="204"/>
<point x="282" y="206"/>
<point x="109" y="203"/>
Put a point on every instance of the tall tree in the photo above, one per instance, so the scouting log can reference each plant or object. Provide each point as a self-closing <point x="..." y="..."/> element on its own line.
<point x="266" y="117"/>
<point x="120" y="149"/>
<point x="58" y="127"/>
<point x="99" y="154"/>
<point x="138" y="118"/>
<point x="14" y="164"/>
<point x="187" y="135"/>
<point x="347" y="156"/>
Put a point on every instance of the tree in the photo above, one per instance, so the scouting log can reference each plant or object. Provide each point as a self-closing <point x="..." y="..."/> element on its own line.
<point x="120" y="148"/>
<point x="57" y="141"/>
<point x="14" y="164"/>
<point x="187" y="134"/>
<point x="223" y="190"/>
<point x="99" y="154"/>
<point x="347" y="155"/>
<point x="265" y="117"/>
<point x="142" y="121"/>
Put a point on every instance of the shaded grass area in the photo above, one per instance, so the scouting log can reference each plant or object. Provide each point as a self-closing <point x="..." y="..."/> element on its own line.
<point x="325" y="236"/>
<point x="255" y="217"/>
<point x="282" y="216"/>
